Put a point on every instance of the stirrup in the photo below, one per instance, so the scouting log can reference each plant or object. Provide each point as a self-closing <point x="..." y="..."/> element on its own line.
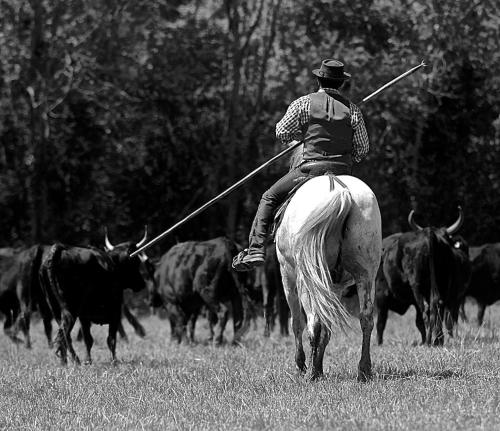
<point x="244" y="261"/>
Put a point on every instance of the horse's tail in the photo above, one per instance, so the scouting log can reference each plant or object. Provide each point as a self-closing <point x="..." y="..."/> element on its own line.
<point x="325" y="223"/>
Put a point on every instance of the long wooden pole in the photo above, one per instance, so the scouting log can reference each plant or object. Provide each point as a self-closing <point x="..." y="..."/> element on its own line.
<point x="290" y="148"/>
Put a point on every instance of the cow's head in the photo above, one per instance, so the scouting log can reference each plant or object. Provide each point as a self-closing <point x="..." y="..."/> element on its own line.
<point x="132" y="272"/>
<point x="446" y="233"/>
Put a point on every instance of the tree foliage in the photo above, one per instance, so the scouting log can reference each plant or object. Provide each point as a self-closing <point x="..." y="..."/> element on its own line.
<point x="122" y="114"/>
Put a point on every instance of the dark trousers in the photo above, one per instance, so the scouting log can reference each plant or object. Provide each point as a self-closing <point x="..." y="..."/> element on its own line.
<point x="279" y="191"/>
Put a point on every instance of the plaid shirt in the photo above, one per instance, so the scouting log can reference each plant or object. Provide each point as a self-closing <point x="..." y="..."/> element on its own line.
<point x="296" y="119"/>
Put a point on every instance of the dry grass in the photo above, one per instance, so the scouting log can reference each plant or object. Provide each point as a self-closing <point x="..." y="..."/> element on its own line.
<point x="160" y="385"/>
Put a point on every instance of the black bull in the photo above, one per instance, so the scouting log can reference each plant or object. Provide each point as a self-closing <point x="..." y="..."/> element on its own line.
<point x="20" y="292"/>
<point x="485" y="280"/>
<point x="428" y="268"/>
<point x="193" y="275"/>
<point x="268" y="279"/>
<point x="88" y="283"/>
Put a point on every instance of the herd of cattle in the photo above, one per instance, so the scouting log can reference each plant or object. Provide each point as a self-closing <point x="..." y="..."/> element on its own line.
<point x="432" y="269"/>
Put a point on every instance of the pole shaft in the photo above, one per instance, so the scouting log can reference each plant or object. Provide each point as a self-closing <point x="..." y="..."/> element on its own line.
<point x="294" y="145"/>
<point x="290" y="148"/>
<point x="391" y="83"/>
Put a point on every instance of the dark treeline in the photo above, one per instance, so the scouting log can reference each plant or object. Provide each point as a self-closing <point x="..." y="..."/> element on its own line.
<point x="121" y="114"/>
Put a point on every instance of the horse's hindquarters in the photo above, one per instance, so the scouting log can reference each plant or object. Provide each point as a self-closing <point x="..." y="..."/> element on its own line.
<point x="320" y="226"/>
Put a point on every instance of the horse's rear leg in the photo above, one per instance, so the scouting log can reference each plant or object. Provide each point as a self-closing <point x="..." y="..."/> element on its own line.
<point x="319" y="337"/>
<point x="365" y="289"/>
<point x="298" y="321"/>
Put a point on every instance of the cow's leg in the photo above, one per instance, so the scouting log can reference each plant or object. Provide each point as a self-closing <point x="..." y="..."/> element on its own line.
<point x="212" y="321"/>
<point x="121" y="331"/>
<point x="24" y="292"/>
<point x="63" y="339"/>
<point x="481" y="307"/>
<point x="88" y="340"/>
<point x="60" y="346"/>
<point x="25" y="327"/>
<point x="178" y="321"/>
<point x="9" y="324"/>
<point x="268" y="294"/>
<point x="283" y="313"/>
<point x="46" y="315"/>
<point x="365" y="292"/>
<point x="47" y="326"/>
<point x="138" y="328"/>
<point x="68" y="321"/>
<point x="22" y="324"/>
<point x="238" y="317"/>
<point x="298" y="320"/>
<point x="436" y="320"/>
<point x="448" y="321"/>
<point x="192" y="325"/>
<point x="423" y="310"/>
<point x="419" y="322"/>
<point x="222" y="317"/>
<point x="383" y="311"/>
<point x="172" y="320"/>
<point x="111" y="340"/>
<point x="462" y="311"/>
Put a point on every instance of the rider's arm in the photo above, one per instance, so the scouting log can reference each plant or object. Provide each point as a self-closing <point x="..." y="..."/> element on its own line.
<point x="289" y="128"/>
<point x="360" y="142"/>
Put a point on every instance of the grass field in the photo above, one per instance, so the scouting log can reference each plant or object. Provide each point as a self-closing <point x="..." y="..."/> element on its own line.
<point x="161" y="385"/>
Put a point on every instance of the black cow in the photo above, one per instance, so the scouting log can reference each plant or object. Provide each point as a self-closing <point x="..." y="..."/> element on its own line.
<point x="192" y="275"/>
<point x="20" y="292"/>
<point x="131" y="318"/>
<point x="268" y="278"/>
<point x="484" y="286"/>
<point x="427" y="268"/>
<point x="9" y="305"/>
<point x="88" y="283"/>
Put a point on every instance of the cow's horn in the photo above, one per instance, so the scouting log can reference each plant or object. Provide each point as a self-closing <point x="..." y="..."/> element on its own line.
<point x="412" y="222"/>
<point x="143" y="240"/>
<point x="109" y="246"/>
<point x="455" y="226"/>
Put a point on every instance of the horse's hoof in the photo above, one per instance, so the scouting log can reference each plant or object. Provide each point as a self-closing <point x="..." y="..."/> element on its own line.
<point x="314" y="377"/>
<point x="300" y="372"/>
<point x="87" y="362"/>
<point x="364" y="376"/>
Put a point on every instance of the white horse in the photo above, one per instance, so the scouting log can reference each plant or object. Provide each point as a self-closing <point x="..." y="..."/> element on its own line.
<point x="331" y="224"/>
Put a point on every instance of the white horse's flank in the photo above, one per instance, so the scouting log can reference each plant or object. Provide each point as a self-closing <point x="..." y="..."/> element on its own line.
<point x="324" y="229"/>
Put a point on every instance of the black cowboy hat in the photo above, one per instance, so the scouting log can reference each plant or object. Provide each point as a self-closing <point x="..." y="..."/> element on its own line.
<point x="331" y="69"/>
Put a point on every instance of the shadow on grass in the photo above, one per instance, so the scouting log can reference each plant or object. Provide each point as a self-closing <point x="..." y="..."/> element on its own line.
<point x="396" y="374"/>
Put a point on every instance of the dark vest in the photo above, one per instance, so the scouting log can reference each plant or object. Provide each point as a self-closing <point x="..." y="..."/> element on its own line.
<point x="329" y="133"/>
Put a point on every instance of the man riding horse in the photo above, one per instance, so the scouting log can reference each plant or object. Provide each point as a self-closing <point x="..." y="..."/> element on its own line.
<point x="334" y="137"/>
